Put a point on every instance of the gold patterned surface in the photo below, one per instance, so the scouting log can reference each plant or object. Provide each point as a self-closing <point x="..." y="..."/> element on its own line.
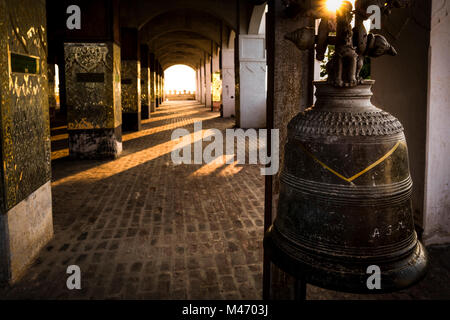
<point x="152" y="87"/>
<point x="24" y="101"/>
<point x="131" y="92"/>
<point x="92" y="105"/>
<point x="145" y="86"/>
<point x="217" y="87"/>
<point x="117" y="87"/>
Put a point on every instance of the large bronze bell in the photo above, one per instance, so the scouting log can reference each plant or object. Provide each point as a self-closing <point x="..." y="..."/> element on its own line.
<point x="345" y="188"/>
<point x="345" y="196"/>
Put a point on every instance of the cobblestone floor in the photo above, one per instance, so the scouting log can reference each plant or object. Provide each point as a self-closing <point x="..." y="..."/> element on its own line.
<point x="141" y="227"/>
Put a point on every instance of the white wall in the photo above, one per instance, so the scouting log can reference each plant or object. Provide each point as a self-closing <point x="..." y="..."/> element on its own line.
<point x="401" y="86"/>
<point x="252" y="81"/>
<point x="437" y="191"/>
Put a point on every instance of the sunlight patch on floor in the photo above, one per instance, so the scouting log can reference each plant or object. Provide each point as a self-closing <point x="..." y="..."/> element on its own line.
<point x="218" y="163"/>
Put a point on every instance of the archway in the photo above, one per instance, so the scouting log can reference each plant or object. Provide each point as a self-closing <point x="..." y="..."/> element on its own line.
<point x="180" y="83"/>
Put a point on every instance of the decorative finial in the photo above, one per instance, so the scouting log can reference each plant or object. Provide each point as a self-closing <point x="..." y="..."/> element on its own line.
<point x="352" y="45"/>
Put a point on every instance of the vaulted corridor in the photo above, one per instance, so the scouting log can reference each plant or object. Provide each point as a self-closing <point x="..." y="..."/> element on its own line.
<point x="339" y="163"/>
<point x="142" y="227"/>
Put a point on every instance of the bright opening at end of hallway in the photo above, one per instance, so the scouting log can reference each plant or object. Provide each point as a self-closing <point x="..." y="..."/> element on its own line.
<point x="179" y="78"/>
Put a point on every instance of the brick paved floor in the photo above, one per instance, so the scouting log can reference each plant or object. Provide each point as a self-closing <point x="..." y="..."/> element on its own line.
<point x="141" y="227"/>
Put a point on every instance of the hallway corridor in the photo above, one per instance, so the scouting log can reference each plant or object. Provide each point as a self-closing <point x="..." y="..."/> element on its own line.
<point x="141" y="227"/>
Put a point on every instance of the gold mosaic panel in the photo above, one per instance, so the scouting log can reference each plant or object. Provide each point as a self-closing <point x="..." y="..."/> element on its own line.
<point x="92" y="85"/>
<point x="25" y="119"/>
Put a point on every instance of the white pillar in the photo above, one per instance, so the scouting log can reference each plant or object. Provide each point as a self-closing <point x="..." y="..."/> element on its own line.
<point x="199" y="84"/>
<point x="208" y="100"/>
<point x="228" y="83"/>
<point x="196" y="85"/>
<point x="437" y="200"/>
<point x="202" y="83"/>
<point x="252" y="81"/>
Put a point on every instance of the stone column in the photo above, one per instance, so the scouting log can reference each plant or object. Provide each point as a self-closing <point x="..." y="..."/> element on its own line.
<point x="152" y="83"/>
<point x="93" y="99"/>
<point x="163" y="92"/>
<point x="198" y="90"/>
<point x="196" y="84"/>
<point x="157" y="79"/>
<point x="228" y="83"/>
<point x="92" y="80"/>
<point x="160" y="83"/>
<point x="202" y="84"/>
<point x="289" y="92"/>
<point x="145" y="82"/>
<point x="26" y="203"/>
<point x="208" y="83"/>
<point x="131" y="85"/>
<point x="252" y="81"/>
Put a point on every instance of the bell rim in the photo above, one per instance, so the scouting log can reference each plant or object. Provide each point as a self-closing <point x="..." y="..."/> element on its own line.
<point x="396" y="275"/>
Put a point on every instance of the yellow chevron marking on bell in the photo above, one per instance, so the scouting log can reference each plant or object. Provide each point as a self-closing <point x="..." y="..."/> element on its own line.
<point x="387" y="155"/>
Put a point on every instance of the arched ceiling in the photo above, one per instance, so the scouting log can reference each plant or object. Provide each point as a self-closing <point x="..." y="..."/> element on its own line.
<point x="182" y="36"/>
<point x="137" y="13"/>
<point x="188" y="21"/>
<point x="193" y="44"/>
<point x="183" y="31"/>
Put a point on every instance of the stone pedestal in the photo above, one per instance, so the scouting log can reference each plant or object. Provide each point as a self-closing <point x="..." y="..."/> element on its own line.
<point x="25" y="203"/>
<point x="252" y="81"/>
<point x="93" y="100"/>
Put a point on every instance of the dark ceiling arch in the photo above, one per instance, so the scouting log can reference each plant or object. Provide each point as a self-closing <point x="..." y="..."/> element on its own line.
<point x="137" y="13"/>
<point x="191" y="21"/>
<point x="180" y="50"/>
<point x="182" y="57"/>
<point x="183" y="37"/>
<point x="179" y="44"/>
<point x="183" y="43"/>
